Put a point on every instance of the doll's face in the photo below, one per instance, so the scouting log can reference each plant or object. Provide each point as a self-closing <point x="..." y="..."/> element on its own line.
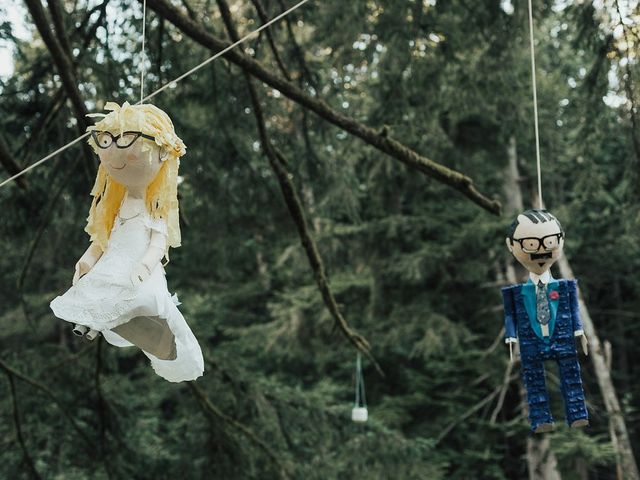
<point x="134" y="166"/>
<point x="536" y="246"/>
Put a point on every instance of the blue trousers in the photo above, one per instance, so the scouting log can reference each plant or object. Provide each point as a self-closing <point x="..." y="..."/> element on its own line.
<point x="534" y="352"/>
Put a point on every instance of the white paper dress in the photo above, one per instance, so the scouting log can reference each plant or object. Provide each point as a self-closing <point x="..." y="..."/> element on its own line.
<point x="105" y="297"/>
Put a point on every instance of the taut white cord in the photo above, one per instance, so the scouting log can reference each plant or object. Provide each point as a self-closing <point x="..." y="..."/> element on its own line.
<point x="223" y="51"/>
<point x="535" y="103"/>
<point x="164" y="87"/>
<point x="42" y="160"/>
<point x="143" y="59"/>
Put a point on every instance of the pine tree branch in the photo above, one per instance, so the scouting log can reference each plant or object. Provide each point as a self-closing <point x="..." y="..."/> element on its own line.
<point x="381" y="141"/>
<point x="102" y="404"/>
<point x="296" y="210"/>
<point x="471" y="411"/>
<point x="45" y="220"/>
<point x="12" y="372"/>
<point x="210" y="409"/>
<point x="73" y="357"/>
<point x="16" y="423"/>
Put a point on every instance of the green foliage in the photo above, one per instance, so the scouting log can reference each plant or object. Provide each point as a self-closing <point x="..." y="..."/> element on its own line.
<point x="415" y="267"/>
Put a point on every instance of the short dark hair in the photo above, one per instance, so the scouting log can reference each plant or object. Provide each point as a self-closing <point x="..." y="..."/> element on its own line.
<point x="536" y="215"/>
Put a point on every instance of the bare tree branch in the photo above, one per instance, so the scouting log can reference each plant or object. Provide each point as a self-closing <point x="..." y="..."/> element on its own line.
<point x="63" y="63"/>
<point x="294" y="204"/>
<point x="16" y="423"/>
<point x="380" y="140"/>
<point x="486" y="400"/>
<point x="57" y="11"/>
<point x="503" y="392"/>
<point x="306" y="73"/>
<point x="54" y="398"/>
<point x="264" y="18"/>
<point x="210" y="409"/>
<point x="60" y="96"/>
<point x="9" y="164"/>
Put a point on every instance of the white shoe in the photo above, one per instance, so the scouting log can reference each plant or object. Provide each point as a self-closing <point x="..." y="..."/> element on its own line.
<point x="92" y="334"/>
<point x="80" y="330"/>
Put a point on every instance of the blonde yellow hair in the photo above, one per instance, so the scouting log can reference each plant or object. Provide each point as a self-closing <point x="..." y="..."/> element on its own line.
<point x="162" y="193"/>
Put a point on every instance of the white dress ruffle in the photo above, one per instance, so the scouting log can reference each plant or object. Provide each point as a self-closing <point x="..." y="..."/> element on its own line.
<point x="105" y="297"/>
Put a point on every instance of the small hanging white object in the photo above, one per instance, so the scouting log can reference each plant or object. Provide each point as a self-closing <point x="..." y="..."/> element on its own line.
<point x="359" y="413"/>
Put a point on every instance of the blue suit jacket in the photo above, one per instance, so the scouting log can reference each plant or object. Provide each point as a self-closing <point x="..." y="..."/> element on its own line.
<point x="558" y="291"/>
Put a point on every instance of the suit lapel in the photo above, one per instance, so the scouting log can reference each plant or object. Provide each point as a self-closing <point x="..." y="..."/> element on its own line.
<point x="529" y="296"/>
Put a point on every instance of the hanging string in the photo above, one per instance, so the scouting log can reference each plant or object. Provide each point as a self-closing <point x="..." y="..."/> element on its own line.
<point x="172" y="83"/>
<point x="361" y="399"/>
<point x="535" y="103"/>
<point x="144" y="58"/>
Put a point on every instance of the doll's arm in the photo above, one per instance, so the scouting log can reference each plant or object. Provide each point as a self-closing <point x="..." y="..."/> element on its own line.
<point x="151" y="258"/>
<point x="575" y="307"/>
<point x="509" y="314"/>
<point x="88" y="259"/>
<point x="510" y="336"/>
<point x="578" y="331"/>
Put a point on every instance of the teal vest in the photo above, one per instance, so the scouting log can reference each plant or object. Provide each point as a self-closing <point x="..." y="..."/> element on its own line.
<point x="528" y="292"/>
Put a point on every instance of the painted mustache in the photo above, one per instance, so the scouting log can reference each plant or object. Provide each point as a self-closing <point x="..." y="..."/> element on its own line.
<point x="537" y="256"/>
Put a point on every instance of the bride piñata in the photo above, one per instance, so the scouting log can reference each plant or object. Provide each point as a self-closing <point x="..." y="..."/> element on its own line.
<point x="119" y="288"/>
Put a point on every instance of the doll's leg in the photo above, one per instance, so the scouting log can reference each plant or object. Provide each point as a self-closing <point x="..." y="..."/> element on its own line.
<point x="571" y="384"/>
<point x="537" y="396"/>
<point x="151" y="334"/>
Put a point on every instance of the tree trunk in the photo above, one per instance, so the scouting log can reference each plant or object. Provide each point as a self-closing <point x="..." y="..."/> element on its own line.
<point x="627" y="467"/>
<point x="512" y="191"/>
<point x="541" y="461"/>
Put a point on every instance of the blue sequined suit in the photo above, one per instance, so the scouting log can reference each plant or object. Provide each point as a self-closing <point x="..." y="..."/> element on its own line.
<point x="520" y="319"/>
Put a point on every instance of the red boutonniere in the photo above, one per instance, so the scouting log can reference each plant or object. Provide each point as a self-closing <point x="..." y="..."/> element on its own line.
<point x="553" y="295"/>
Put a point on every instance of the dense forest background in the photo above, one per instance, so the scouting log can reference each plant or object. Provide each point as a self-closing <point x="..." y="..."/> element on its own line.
<point x="415" y="260"/>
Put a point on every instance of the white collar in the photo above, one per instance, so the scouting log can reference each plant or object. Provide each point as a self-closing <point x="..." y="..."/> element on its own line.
<point x="545" y="278"/>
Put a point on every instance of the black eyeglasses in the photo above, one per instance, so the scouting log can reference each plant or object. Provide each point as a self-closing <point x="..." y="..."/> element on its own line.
<point x="105" y="139"/>
<point x="533" y="244"/>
